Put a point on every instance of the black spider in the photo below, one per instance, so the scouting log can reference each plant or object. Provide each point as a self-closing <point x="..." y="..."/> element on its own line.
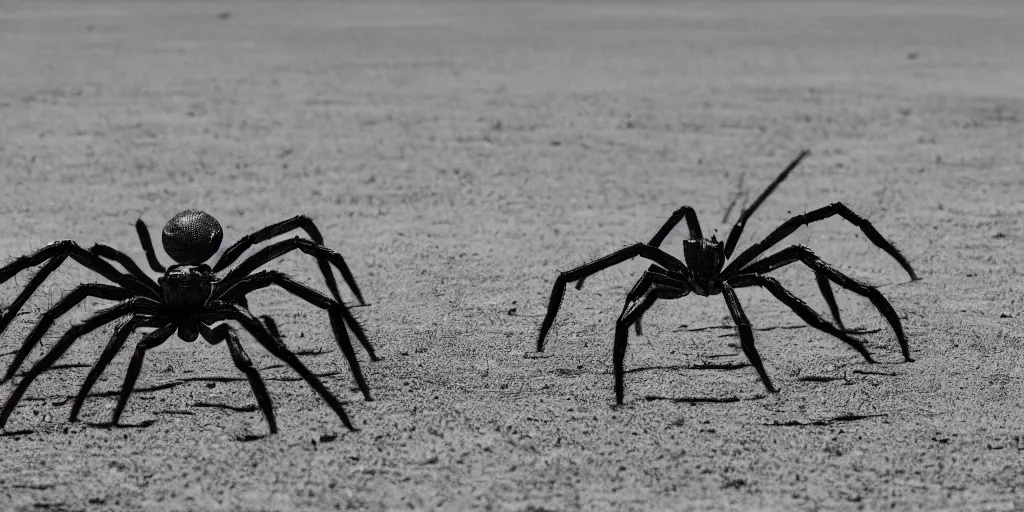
<point x="705" y="273"/>
<point x="188" y="299"/>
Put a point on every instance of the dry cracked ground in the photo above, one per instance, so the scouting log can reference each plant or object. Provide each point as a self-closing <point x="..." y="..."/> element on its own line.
<point x="460" y="155"/>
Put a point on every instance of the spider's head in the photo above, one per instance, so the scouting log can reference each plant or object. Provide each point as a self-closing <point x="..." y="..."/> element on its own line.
<point x="192" y="237"/>
<point x="705" y="257"/>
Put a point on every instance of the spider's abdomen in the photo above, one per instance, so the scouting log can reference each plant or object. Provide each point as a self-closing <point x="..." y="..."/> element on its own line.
<point x="192" y="237"/>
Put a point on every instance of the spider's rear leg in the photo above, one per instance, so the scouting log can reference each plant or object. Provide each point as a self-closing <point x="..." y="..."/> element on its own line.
<point x="746" y="335"/>
<point x="558" y="291"/>
<point x="801" y="308"/>
<point x="824" y="273"/>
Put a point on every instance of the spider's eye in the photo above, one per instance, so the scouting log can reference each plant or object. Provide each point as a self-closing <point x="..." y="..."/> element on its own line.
<point x="192" y="237"/>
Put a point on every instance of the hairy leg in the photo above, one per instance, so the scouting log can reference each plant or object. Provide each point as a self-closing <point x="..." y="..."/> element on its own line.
<point x="105" y="251"/>
<point x="558" y="291"/>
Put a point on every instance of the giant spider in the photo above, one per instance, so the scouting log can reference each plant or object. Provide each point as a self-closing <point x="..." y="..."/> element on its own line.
<point x="188" y="298"/>
<point x="705" y="273"/>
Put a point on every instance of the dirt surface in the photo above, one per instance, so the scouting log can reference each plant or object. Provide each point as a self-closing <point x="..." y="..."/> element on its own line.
<point x="460" y="155"/>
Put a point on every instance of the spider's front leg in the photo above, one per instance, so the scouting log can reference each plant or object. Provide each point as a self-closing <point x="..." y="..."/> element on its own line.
<point x="558" y="291"/>
<point x="117" y="340"/>
<point x="737" y="229"/>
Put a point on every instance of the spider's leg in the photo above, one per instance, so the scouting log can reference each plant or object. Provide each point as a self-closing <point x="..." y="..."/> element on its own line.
<point x="72" y="299"/>
<point x="225" y="332"/>
<point x="654" y="275"/>
<point x="273" y="345"/>
<point x="800" y="308"/>
<point x="334" y="312"/>
<point x="108" y="252"/>
<point x="151" y="340"/>
<point x="298" y="222"/>
<point x="626" y="319"/>
<point x="825" y="273"/>
<point x="558" y="291"/>
<point x="30" y="288"/>
<point x="147" y="245"/>
<point x="54" y="255"/>
<point x="737" y="229"/>
<point x="830" y="299"/>
<point x="791" y="225"/>
<point x="69" y="248"/>
<point x="283" y="247"/>
<point x="268" y="321"/>
<point x="117" y="340"/>
<point x="692" y="223"/>
<point x="63" y="344"/>
<point x="746" y="335"/>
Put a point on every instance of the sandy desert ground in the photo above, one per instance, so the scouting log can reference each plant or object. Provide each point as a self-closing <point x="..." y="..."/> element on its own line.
<point x="461" y="154"/>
